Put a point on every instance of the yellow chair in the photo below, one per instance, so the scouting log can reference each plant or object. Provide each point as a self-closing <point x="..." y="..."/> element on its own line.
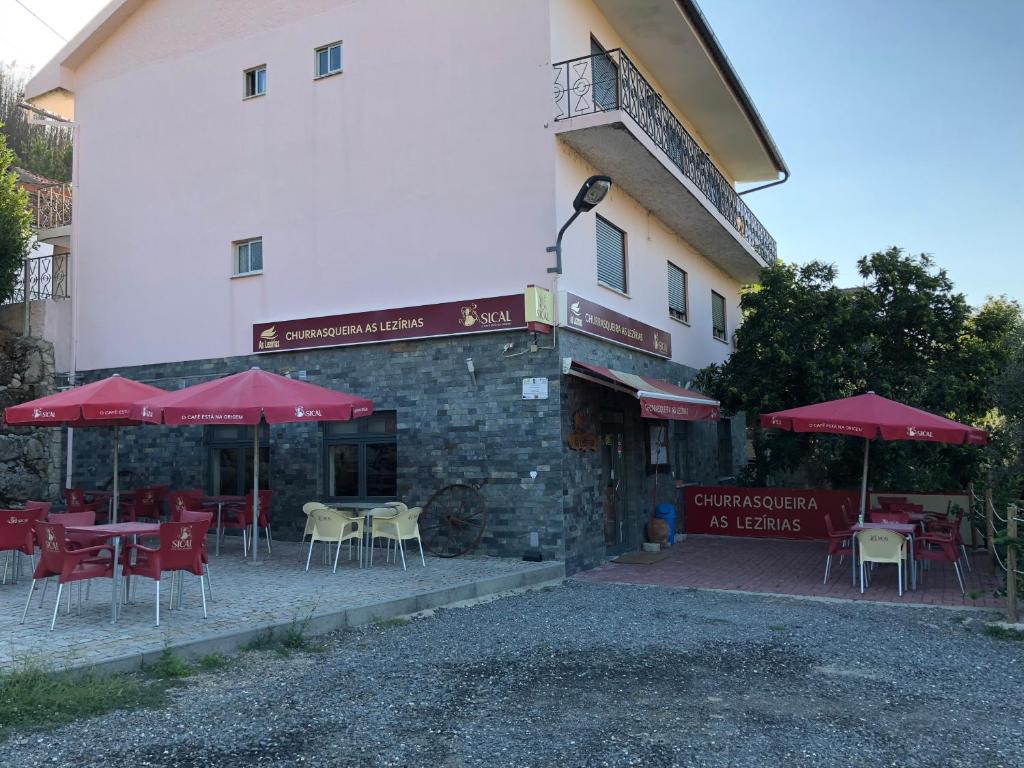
<point x="877" y="545"/>
<point x="332" y="526"/>
<point x="308" y="507"/>
<point x="398" y="528"/>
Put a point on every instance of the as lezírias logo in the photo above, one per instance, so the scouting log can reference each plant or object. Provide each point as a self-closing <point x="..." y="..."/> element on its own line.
<point x="268" y="338"/>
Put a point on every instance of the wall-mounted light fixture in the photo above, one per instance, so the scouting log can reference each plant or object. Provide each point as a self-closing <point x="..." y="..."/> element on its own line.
<point x="593" y="191"/>
<point x="472" y="369"/>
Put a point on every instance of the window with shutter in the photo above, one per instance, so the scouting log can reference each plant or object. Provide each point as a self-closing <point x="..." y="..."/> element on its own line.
<point x="718" y="327"/>
<point x="677" y="293"/>
<point x="611" y="255"/>
<point x="605" y="76"/>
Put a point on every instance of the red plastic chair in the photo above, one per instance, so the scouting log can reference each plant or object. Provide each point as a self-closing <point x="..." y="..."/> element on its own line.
<point x="43" y="505"/>
<point x="180" y="501"/>
<point x="885" y="501"/>
<point x="143" y="504"/>
<point x="74" y="497"/>
<point x="239" y="517"/>
<point x="888" y="516"/>
<point x="840" y="542"/>
<point x="78" y="539"/>
<point x="16" y="534"/>
<point x="180" y="550"/>
<point x="951" y="527"/>
<point x="936" y="546"/>
<point x="196" y="516"/>
<point x="68" y="565"/>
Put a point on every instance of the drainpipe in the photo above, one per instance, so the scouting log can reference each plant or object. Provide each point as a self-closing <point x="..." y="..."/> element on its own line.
<point x="783" y="180"/>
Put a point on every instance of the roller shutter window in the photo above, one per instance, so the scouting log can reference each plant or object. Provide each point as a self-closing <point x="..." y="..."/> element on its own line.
<point x="611" y="255"/>
<point x="718" y="327"/>
<point x="677" y="293"/>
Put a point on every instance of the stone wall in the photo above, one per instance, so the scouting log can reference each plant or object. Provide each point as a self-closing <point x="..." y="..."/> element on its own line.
<point x="450" y="429"/>
<point x="30" y="457"/>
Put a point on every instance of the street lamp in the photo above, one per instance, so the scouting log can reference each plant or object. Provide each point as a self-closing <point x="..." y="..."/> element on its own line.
<point x="591" y="193"/>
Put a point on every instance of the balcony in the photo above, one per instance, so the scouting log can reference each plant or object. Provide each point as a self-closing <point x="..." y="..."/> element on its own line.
<point x="52" y="209"/>
<point x="608" y="112"/>
<point x="47" y="278"/>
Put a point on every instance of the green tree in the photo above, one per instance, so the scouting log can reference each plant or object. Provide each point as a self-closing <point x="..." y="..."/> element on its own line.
<point x="905" y="334"/>
<point x="15" y="222"/>
<point x="42" y="149"/>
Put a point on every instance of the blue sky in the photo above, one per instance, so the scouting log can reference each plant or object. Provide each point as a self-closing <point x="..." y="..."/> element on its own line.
<point x="902" y="123"/>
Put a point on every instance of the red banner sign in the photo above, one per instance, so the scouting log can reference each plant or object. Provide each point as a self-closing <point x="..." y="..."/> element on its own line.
<point x="500" y="313"/>
<point x="588" y="317"/>
<point x="772" y="513"/>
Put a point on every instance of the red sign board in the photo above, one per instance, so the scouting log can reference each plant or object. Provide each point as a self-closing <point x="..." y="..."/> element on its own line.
<point x="499" y="313"/>
<point x="588" y="317"/>
<point x="770" y="513"/>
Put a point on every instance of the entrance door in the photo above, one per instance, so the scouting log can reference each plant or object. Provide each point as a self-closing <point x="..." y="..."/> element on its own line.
<point x="613" y="481"/>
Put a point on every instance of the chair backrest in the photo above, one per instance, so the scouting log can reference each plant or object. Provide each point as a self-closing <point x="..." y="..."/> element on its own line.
<point x="85" y="517"/>
<point x="43" y="505"/>
<point x="408" y="522"/>
<point x="828" y="524"/>
<point x="52" y="548"/>
<point x="399" y="505"/>
<point x="195" y="516"/>
<point x="904" y="507"/>
<point x="16" y="529"/>
<point x="328" y="523"/>
<point x="145" y="503"/>
<point x="74" y="497"/>
<point x="92" y="506"/>
<point x="181" y="546"/>
<point x="880" y="546"/>
<point x="266" y="496"/>
<point x="309" y="506"/>
<point x="888" y="516"/>
<point x="179" y="501"/>
<point x="885" y="501"/>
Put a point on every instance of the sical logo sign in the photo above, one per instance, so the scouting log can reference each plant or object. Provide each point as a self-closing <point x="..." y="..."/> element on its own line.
<point x="915" y="432"/>
<point x="184" y="540"/>
<point x="307" y="413"/>
<point x="469" y="316"/>
<point x="39" y="413"/>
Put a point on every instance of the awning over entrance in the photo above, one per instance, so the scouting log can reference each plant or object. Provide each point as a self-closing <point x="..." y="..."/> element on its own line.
<point x="658" y="399"/>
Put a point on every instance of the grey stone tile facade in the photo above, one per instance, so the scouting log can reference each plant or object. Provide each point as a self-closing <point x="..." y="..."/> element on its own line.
<point x="450" y="429"/>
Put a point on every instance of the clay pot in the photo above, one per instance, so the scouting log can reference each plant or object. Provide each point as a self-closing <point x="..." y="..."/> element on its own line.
<point x="657" y="531"/>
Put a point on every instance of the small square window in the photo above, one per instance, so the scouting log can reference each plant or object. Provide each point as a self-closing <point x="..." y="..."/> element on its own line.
<point x="718" y="326"/>
<point x="255" y="81"/>
<point x="328" y="60"/>
<point x="249" y="256"/>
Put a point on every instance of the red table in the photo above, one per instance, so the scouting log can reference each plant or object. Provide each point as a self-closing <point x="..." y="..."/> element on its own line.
<point x="117" y="531"/>
<point x="220" y="501"/>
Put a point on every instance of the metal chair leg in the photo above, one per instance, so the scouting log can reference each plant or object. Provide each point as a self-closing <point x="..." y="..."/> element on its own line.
<point x="401" y="551"/>
<point x="828" y="564"/>
<point x="423" y="560"/>
<point x="28" y="600"/>
<point x="967" y="560"/>
<point x="158" y="600"/>
<point x="310" y="555"/>
<point x="202" y="590"/>
<point x="959" y="577"/>
<point x="56" y="606"/>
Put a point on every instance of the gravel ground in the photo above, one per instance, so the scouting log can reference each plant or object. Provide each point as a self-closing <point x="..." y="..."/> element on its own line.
<point x="593" y="675"/>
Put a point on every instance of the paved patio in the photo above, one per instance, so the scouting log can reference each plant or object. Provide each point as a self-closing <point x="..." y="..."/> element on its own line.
<point x="775" y="566"/>
<point x="247" y="600"/>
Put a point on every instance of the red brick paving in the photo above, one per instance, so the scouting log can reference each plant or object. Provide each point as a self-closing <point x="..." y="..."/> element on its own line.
<point x="796" y="568"/>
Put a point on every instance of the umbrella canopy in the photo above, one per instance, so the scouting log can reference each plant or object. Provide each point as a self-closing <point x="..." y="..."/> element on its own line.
<point x="249" y="398"/>
<point x="870" y="416"/>
<point x="104" y="403"/>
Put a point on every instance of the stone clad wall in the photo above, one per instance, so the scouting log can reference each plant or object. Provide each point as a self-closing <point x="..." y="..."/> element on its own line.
<point x="449" y="430"/>
<point x="30" y="457"/>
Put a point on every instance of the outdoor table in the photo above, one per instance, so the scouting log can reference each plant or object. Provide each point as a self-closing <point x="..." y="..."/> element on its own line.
<point x="367" y="508"/>
<point x="118" y="531"/>
<point x="906" y="529"/>
<point x="219" y="502"/>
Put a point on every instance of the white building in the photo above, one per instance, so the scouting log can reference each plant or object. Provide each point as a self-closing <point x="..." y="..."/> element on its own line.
<point x="246" y="165"/>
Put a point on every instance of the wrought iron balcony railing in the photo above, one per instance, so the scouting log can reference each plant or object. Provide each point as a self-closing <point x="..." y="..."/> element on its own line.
<point x="47" y="279"/>
<point x="609" y="81"/>
<point x="53" y="206"/>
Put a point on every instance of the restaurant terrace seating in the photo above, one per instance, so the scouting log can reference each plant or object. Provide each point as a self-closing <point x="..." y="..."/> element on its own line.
<point x="882" y="546"/>
<point x="400" y="527"/>
<point x="180" y="550"/>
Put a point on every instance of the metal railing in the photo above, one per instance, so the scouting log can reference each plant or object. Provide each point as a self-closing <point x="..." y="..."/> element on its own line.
<point x="53" y="206"/>
<point x="610" y="81"/>
<point x="47" y="279"/>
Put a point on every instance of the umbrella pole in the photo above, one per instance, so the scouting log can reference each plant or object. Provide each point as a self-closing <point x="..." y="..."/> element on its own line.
<point x="255" y="491"/>
<point x="864" y="480"/>
<point x="114" y="497"/>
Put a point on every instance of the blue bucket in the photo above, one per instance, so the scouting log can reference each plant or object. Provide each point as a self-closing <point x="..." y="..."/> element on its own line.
<point x="667" y="512"/>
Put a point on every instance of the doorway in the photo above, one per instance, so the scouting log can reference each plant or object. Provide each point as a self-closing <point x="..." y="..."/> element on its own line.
<point x="613" y="481"/>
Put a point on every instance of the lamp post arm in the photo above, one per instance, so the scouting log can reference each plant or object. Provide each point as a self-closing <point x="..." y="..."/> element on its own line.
<point x="557" y="247"/>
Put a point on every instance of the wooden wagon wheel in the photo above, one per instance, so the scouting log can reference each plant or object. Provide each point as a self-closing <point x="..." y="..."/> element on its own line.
<point x="453" y="520"/>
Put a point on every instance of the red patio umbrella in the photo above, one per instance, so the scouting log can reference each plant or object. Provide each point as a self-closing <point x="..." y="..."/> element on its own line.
<point x="249" y="398"/>
<point x="104" y="403"/>
<point x="872" y="415"/>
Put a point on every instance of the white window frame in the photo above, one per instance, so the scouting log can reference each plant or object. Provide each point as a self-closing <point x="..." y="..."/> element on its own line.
<point x="236" y="248"/>
<point x="317" y="74"/>
<point x="255" y="73"/>
<point x="724" y="338"/>
<point x="685" y="319"/>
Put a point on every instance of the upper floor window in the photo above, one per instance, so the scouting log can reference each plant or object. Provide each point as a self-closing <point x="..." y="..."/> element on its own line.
<point x="604" y="73"/>
<point x="249" y="256"/>
<point x="611" y="255"/>
<point x="255" y="81"/>
<point x="328" y="60"/>
<point x="677" y="293"/>
<point x="718" y="327"/>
